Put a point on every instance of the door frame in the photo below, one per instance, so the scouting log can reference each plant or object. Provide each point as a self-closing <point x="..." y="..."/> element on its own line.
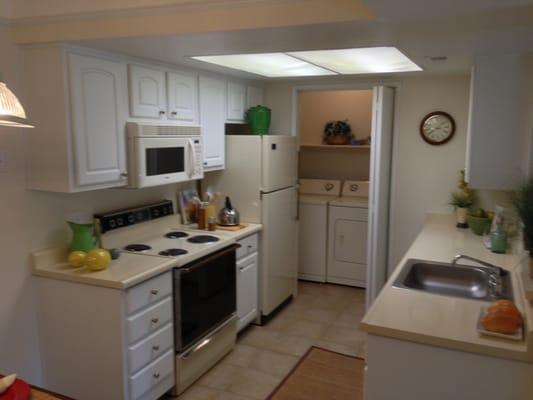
<point x="366" y="85"/>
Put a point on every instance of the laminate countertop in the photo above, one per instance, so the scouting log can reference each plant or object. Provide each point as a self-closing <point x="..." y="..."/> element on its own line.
<point x="130" y="268"/>
<point x="444" y="321"/>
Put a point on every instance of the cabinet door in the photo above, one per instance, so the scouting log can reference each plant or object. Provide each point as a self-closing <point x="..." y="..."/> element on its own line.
<point x="498" y="122"/>
<point x="247" y="290"/>
<point x="236" y="102"/>
<point x="212" y="119"/>
<point x="254" y="96"/>
<point x="98" y="90"/>
<point x="182" y="91"/>
<point x="147" y="92"/>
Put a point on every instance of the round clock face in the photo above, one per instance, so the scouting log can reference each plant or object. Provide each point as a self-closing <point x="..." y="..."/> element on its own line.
<point x="437" y="128"/>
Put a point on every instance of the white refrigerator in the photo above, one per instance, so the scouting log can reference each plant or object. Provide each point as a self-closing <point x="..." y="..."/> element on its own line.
<point x="260" y="177"/>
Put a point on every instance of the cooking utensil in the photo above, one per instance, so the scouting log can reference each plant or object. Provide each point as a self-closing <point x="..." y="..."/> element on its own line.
<point x="228" y="216"/>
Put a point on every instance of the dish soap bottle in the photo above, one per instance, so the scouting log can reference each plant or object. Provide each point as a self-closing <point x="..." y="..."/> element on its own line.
<point x="498" y="238"/>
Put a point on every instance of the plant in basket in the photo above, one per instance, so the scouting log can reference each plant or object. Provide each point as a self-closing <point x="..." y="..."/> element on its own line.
<point x="338" y="133"/>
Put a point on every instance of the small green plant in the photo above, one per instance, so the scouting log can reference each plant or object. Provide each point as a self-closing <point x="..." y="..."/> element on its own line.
<point x="342" y="128"/>
<point x="461" y="200"/>
<point x="464" y="197"/>
<point x="523" y="203"/>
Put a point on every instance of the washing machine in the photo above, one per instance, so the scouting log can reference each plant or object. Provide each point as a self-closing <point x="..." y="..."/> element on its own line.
<point x="347" y="235"/>
<point x="315" y="195"/>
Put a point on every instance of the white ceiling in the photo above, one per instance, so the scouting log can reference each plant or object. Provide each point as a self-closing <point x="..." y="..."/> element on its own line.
<point x="430" y="28"/>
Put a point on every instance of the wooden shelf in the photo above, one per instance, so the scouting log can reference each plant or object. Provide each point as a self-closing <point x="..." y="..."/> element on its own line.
<point x="327" y="147"/>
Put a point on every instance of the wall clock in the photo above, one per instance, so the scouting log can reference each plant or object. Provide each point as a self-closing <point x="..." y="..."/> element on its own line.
<point x="437" y="128"/>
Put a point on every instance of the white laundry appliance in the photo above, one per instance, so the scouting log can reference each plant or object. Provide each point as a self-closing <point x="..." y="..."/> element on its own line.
<point x="348" y="235"/>
<point x="261" y="176"/>
<point x="315" y="195"/>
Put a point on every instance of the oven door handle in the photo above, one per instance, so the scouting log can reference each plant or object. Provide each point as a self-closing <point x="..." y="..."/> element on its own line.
<point x="191" y="159"/>
<point x="205" y="341"/>
<point x="209" y="259"/>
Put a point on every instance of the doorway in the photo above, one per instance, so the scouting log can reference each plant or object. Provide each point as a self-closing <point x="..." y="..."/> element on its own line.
<point x="366" y="157"/>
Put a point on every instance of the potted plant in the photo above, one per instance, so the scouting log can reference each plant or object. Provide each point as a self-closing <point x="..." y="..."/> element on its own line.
<point x="462" y="200"/>
<point x="478" y="220"/>
<point x="523" y="203"/>
<point x="338" y="133"/>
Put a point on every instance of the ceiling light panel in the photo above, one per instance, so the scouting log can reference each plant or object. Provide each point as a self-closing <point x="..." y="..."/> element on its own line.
<point x="272" y="65"/>
<point x="369" y="60"/>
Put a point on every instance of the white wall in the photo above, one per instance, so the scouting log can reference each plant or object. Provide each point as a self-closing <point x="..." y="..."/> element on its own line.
<point x="423" y="175"/>
<point x="32" y="220"/>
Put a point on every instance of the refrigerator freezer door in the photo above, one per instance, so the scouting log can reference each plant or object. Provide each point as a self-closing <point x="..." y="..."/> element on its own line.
<point x="279" y="253"/>
<point x="280" y="162"/>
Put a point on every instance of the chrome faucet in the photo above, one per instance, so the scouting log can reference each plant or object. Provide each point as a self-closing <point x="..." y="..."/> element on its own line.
<point x="495" y="280"/>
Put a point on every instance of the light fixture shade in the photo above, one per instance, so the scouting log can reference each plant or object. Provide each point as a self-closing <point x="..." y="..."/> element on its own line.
<point x="11" y="111"/>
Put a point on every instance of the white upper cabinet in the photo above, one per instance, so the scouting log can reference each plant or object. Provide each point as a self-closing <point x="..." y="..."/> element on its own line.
<point x="78" y="103"/>
<point x="498" y="125"/>
<point x="182" y="92"/>
<point x="212" y="120"/>
<point x="98" y="90"/>
<point x="147" y="92"/>
<point x="236" y="102"/>
<point x="254" y="96"/>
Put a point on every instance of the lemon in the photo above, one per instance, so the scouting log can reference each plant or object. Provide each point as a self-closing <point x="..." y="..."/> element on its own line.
<point x="98" y="259"/>
<point x="77" y="259"/>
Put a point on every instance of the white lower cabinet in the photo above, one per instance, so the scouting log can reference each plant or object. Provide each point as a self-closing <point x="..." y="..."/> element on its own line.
<point x="95" y="348"/>
<point x="247" y="282"/>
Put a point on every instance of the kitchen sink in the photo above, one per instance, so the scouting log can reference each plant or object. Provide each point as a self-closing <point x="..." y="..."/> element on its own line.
<point x="471" y="282"/>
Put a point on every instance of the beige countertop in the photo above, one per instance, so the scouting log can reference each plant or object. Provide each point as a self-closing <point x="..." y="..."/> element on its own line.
<point x="444" y="321"/>
<point x="128" y="270"/>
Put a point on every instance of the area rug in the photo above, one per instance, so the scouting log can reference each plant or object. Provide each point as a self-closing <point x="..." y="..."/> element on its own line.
<point x="323" y="374"/>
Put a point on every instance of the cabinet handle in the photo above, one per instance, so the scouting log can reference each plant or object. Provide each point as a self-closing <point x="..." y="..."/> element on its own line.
<point x="155" y="320"/>
<point x="174" y="113"/>
<point x="155" y="347"/>
<point x="157" y="375"/>
<point x="155" y="292"/>
<point x="162" y="112"/>
<point x="124" y="174"/>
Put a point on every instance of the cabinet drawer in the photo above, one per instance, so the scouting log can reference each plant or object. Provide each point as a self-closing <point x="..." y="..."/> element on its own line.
<point x="148" y="321"/>
<point x="153" y="375"/>
<point x="150" y="348"/>
<point x="248" y="246"/>
<point x="148" y="292"/>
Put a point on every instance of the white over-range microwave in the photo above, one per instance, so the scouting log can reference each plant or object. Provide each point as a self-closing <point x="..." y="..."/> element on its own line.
<point x="162" y="154"/>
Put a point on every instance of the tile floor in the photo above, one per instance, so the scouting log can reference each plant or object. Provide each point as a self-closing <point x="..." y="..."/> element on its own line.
<point x="323" y="315"/>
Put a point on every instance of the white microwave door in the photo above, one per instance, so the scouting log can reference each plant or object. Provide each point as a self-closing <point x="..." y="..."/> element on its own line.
<point x="163" y="160"/>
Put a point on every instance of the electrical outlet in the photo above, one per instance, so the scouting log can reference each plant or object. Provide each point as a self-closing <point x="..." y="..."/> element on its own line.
<point x="3" y="162"/>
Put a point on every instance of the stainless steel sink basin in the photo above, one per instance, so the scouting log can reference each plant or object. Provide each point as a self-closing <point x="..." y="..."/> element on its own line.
<point x="453" y="280"/>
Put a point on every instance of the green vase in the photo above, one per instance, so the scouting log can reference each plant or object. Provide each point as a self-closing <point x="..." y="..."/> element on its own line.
<point x="82" y="237"/>
<point x="258" y="119"/>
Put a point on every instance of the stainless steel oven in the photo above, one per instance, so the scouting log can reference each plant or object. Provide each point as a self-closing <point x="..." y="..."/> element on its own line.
<point x="204" y="297"/>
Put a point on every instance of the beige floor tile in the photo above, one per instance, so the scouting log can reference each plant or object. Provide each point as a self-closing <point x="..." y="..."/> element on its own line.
<point x="292" y="345"/>
<point x="348" y="319"/>
<point x="260" y="337"/>
<point x="311" y="288"/>
<point x="220" y="377"/>
<point x="344" y="291"/>
<point x="345" y="336"/>
<point x="197" y="392"/>
<point x="326" y="302"/>
<point x="320" y="315"/>
<point x="242" y="355"/>
<point x="255" y="384"/>
<point x="231" y="396"/>
<point x="306" y="329"/>
<point x="275" y="364"/>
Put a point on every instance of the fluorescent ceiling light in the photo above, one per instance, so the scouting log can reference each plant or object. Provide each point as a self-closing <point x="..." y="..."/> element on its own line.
<point x="272" y="65"/>
<point x="369" y="60"/>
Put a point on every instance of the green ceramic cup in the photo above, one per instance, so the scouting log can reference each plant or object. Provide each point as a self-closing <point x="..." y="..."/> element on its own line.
<point x="478" y="225"/>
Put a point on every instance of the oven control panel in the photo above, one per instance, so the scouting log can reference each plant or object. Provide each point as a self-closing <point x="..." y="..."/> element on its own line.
<point x="131" y="216"/>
